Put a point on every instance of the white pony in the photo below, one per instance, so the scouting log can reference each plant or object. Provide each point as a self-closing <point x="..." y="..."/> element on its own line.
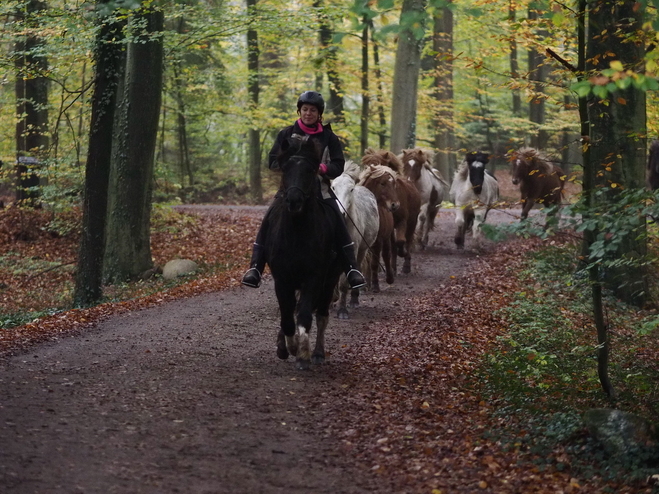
<point x="360" y="211"/>
<point x="432" y="187"/>
<point x="473" y="192"/>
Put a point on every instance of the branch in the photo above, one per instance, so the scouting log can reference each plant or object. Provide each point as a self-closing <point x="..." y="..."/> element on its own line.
<point x="561" y="60"/>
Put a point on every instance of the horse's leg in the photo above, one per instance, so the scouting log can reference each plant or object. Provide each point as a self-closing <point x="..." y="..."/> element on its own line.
<point x="460" y="223"/>
<point x="422" y="226"/>
<point x="342" y="312"/>
<point x="286" y="338"/>
<point x="528" y="204"/>
<point x="478" y="220"/>
<point x="389" y="258"/>
<point x="318" y="356"/>
<point x="375" y="266"/>
<point x="304" y="321"/>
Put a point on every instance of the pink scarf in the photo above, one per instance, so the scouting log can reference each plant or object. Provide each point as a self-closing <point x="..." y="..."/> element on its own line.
<point x="310" y="130"/>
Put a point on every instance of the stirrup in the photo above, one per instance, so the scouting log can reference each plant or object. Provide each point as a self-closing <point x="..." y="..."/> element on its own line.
<point x="252" y="280"/>
<point x="360" y="283"/>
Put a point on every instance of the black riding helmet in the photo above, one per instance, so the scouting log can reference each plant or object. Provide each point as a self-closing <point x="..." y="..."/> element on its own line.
<point x="311" y="98"/>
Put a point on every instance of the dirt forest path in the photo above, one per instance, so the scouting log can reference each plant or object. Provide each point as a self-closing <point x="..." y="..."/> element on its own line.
<point x="190" y="397"/>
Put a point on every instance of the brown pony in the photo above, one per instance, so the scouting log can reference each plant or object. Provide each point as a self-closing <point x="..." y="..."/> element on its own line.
<point x="406" y="215"/>
<point x="381" y="181"/>
<point x="538" y="178"/>
<point x="432" y="188"/>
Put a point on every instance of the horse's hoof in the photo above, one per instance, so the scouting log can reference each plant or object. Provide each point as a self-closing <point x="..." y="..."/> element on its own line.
<point x="390" y="280"/>
<point x="342" y="314"/>
<point x="353" y="304"/>
<point x="406" y="270"/>
<point x="318" y="359"/>
<point x="282" y="353"/>
<point x="302" y="365"/>
<point x="375" y="289"/>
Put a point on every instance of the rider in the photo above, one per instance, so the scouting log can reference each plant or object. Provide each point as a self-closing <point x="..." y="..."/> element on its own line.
<point x="310" y="107"/>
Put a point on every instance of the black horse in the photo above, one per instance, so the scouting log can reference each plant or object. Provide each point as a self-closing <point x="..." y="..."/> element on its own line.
<point x="299" y="251"/>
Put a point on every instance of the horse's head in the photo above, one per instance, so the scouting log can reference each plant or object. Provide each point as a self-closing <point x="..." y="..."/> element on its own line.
<point x="298" y="160"/>
<point x="476" y="162"/>
<point x="523" y="162"/>
<point x="413" y="161"/>
<point x="381" y="180"/>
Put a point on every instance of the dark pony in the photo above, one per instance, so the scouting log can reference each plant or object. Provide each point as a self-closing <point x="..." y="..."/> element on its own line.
<point x="300" y="254"/>
<point x="653" y="166"/>
<point x="407" y="214"/>
<point x="381" y="181"/>
<point x="538" y="178"/>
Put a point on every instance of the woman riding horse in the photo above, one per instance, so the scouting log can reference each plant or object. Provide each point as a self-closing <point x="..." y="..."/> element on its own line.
<point x="310" y="107"/>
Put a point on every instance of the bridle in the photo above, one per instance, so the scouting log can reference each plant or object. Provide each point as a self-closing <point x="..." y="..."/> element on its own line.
<point x="305" y="194"/>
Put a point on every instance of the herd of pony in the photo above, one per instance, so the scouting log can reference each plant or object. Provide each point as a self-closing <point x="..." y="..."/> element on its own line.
<point x="389" y="203"/>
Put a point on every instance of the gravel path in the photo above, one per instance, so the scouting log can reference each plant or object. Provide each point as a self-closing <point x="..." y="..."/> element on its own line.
<point x="190" y="397"/>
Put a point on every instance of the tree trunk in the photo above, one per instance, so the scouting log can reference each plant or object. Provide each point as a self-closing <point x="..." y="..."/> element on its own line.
<point x="538" y="74"/>
<point x="31" y="105"/>
<point x="445" y="158"/>
<point x="108" y="56"/>
<point x="253" y="89"/>
<point x="618" y="127"/>
<point x="365" y="96"/>
<point x="406" y="77"/>
<point x="329" y="54"/>
<point x="514" y="64"/>
<point x="128" y="247"/>
<point x="382" y="117"/>
<point x="185" y="166"/>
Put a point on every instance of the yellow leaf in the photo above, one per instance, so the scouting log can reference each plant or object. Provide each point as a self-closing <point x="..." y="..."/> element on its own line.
<point x="614" y="185"/>
<point x="616" y="65"/>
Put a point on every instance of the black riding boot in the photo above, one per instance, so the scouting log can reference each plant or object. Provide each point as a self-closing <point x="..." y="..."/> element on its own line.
<point x="252" y="277"/>
<point x="355" y="278"/>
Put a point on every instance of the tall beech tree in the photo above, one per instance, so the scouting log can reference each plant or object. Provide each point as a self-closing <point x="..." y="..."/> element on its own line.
<point x="442" y="42"/>
<point x="538" y="71"/>
<point x="31" y="66"/>
<point x="406" y="75"/>
<point x="128" y="246"/>
<point x="617" y="130"/>
<point x="253" y="88"/>
<point x="108" y="59"/>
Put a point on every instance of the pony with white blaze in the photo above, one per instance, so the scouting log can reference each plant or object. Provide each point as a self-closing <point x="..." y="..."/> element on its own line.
<point x="432" y="188"/>
<point x="473" y="191"/>
<point x="360" y="211"/>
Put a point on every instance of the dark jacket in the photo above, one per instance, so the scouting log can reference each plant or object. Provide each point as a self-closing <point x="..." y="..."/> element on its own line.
<point x="328" y="140"/>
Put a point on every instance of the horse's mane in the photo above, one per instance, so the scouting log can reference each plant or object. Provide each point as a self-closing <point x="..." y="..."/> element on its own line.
<point x="384" y="158"/>
<point x="533" y="156"/>
<point x="353" y="170"/>
<point x="375" y="171"/>
<point x="462" y="173"/>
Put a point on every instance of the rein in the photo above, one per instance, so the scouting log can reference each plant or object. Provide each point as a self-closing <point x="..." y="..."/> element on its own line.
<point x="305" y="194"/>
<point x="359" y="231"/>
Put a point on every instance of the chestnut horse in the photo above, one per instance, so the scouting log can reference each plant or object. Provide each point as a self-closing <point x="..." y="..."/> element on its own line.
<point x="539" y="179"/>
<point x="407" y="214"/>
<point x="432" y="188"/>
<point x="381" y="181"/>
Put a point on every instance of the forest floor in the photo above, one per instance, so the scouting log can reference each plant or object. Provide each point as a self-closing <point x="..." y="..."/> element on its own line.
<point x="179" y="389"/>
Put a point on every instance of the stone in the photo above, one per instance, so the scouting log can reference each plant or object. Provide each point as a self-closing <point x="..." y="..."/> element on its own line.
<point x="621" y="433"/>
<point x="178" y="267"/>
